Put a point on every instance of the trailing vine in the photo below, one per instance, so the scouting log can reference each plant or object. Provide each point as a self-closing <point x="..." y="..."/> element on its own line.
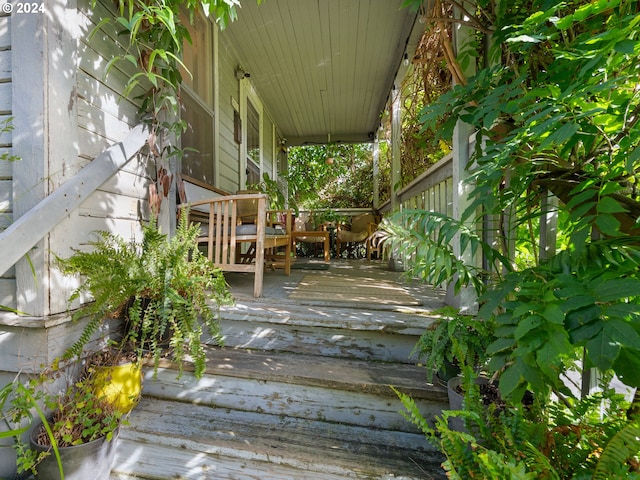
<point x="156" y="37"/>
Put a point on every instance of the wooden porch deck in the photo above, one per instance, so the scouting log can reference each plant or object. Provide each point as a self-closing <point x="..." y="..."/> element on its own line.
<point x="281" y="288"/>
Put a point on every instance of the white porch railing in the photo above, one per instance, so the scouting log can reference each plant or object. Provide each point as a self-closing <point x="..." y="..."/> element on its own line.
<point x="432" y="191"/>
<point x="23" y="234"/>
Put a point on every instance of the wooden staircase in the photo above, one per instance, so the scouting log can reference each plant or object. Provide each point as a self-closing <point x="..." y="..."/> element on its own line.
<point x="300" y="391"/>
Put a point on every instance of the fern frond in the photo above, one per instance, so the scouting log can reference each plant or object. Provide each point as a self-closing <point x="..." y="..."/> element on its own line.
<point x="621" y="447"/>
<point x="413" y="414"/>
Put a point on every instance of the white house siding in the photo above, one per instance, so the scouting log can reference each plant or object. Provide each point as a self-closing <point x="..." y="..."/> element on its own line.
<point x="7" y="280"/>
<point x="59" y="87"/>
<point x="229" y="89"/>
<point x="103" y="118"/>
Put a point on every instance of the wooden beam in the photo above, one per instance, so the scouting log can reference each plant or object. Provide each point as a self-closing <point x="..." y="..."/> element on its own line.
<point x="23" y="234"/>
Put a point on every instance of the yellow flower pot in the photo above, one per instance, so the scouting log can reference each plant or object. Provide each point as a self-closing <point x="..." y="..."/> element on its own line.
<point x="120" y="384"/>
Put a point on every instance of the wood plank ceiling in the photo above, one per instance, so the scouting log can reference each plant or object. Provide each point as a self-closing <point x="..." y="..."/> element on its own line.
<point x="323" y="68"/>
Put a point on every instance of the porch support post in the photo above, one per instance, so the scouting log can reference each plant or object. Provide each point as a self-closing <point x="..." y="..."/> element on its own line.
<point x="396" y="124"/>
<point x="466" y="299"/>
<point x="44" y="69"/>
<point x="376" y="172"/>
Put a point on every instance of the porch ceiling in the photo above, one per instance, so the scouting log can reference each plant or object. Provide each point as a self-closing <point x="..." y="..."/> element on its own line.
<point x="323" y="68"/>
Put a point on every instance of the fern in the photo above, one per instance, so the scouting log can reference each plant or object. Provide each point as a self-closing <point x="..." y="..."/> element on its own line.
<point x="413" y="415"/>
<point x="162" y="287"/>
<point x="623" y="446"/>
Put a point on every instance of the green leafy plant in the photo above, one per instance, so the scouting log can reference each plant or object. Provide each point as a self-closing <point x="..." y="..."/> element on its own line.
<point x="165" y="289"/>
<point x="564" y="99"/>
<point x="277" y="200"/>
<point x="591" y="438"/>
<point x="18" y="402"/>
<point x="557" y="113"/>
<point x="581" y="305"/>
<point x="426" y="238"/>
<point x="76" y="415"/>
<point x="156" y="36"/>
<point x="454" y="339"/>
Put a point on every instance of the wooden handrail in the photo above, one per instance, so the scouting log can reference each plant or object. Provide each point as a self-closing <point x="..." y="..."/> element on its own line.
<point x="24" y="233"/>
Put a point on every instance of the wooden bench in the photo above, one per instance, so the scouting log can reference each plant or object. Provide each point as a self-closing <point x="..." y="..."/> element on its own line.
<point x="236" y="245"/>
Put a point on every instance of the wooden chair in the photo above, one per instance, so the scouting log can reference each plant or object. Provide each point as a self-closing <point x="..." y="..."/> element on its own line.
<point x="302" y="233"/>
<point x="236" y="246"/>
<point x="362" y="228"/>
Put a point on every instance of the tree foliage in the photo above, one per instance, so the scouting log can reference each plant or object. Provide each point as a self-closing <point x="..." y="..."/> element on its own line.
<point x="332" y="176"/>
<point x="558" y="114"/>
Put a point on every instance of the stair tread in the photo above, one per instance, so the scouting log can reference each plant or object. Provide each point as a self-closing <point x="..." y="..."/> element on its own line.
<point x="297" y="443"/>
<point x="351" y="375"/>
<point x="401" y="320"/>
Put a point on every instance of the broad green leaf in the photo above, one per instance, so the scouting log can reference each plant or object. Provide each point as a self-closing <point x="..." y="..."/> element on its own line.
<point x="581" y="333"/>
<point x="512" y="377"/>
<point x="633" y="157"/>
<point x="524" y="308"/>
<point x="618" y="288"/>
<point x="575" y="302"/>
<point x="584" y="315"/>
<point x="554" y="314"/>
<point x="548" y="357"/>
<point x="608" y="225"/>
<point x="624" y="311"/>
<point x="609" y="205"/>
<point x="621" y="333"/>
<point x="525" y="326"/>
<point x="561" y="135"/>
<point x="604" y="348"/>
<point x="627" y="367"/>
<point x="500" y="345"/>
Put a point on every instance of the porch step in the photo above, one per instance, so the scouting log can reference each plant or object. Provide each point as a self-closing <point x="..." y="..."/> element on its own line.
<point x="380" y="334"/>
<point x="171" y="439"/>
<point x="268" y="416"/>
<point x="301" y="390"/>
<point x="353" y="392"/>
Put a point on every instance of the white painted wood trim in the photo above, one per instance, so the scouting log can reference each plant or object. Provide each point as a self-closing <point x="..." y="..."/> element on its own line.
<point x="30" y="228"/>
<point x="217" y="164"/>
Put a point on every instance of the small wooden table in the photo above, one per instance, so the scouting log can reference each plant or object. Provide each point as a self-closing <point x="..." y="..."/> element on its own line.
<point x="316" y="235"/>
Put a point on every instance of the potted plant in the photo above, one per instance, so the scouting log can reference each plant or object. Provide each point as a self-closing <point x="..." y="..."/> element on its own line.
<point x="166" y="291"/>
<point x="76" y="439"/>
<point x="83" y="426"/>
<point x="453" y="340"/>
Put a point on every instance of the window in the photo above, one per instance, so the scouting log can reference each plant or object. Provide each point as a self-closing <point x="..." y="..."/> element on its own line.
<point x="197" y="102"/>
<point x="253" y="145"/>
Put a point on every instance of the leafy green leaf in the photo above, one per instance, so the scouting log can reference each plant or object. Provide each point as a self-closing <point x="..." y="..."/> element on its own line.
<point x="618" y="288"/>
<point x="609" y="205"/>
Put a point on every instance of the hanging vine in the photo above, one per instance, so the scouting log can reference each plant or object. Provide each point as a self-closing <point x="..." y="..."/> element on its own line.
<point x="156" y="36"/>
